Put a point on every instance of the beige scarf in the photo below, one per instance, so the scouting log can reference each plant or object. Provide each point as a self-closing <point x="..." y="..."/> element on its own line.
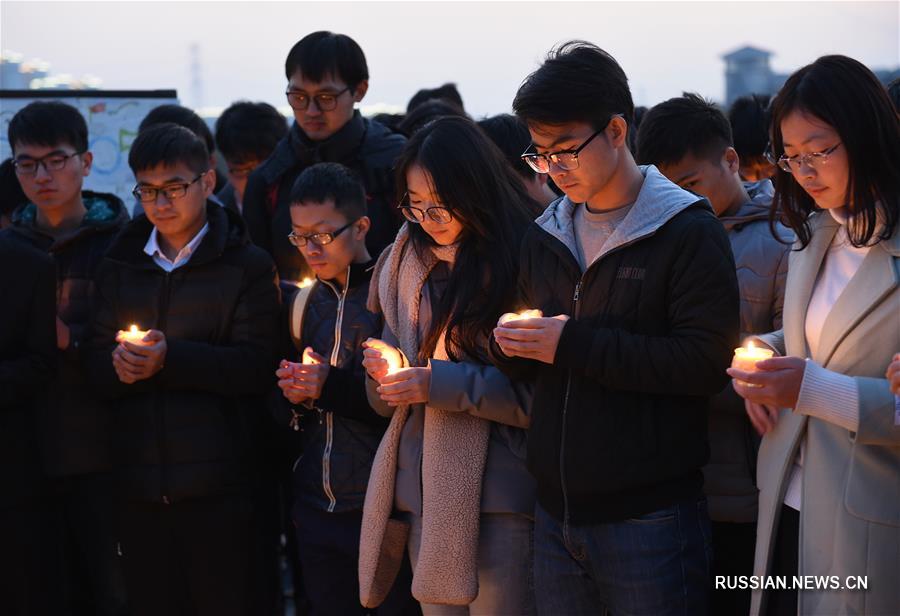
<point x="453" y="457"/>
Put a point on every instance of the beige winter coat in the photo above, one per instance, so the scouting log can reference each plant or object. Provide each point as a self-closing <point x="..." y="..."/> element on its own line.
<point x="850" y="514"/>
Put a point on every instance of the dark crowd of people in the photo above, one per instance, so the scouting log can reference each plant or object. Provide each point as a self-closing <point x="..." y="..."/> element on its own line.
<point x="431" y="365"/>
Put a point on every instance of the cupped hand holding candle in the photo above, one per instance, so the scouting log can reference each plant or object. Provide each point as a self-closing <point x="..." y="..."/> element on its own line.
<point x="132" y="335"/>
<point x="518" y="316"/>
<point x="380" y="358"/>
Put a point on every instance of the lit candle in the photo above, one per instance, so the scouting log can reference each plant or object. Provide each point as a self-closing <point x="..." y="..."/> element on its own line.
<point x="132" y="335"/>
<point x="745" y="359"/>
<point x="308" y="359"/>
<point x="306" y="282"/>
<point x="517" y="316"/>
<point x="388" y="354"/>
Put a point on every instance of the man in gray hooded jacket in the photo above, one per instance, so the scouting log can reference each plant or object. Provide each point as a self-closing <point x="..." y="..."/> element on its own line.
<point x="689" y="139"/>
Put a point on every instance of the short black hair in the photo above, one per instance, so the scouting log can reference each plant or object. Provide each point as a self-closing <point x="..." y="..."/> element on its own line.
<point x="331" y="182"/>
<point x="182" y="116"/>
<point x="428" y="112"/>
<point x="447" y="92"/>
<point x="321" y="53"/>
<point x="168" y="144"/>
<point x="680" y="126"/>
<point x="511" y="135"/>
<point x="578" y="82"/>
<point x="48" y="123"/>
<point x="749" y="118"/>
<point x="249" y="131"/>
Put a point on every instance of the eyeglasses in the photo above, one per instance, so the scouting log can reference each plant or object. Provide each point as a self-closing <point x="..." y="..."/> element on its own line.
<point x="438" y="214"/>
<point x="149" y="194"/>
<point x="567" y="160"/>
<point x="325" y="101"/>
<point x="812" y="160"/>
<point x="242" y="172"/>
<point x="53" y="161"/>
<point x="319" y="239"/>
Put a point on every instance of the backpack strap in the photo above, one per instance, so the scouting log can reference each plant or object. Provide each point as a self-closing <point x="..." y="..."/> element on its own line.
<point x="298" y="310"/>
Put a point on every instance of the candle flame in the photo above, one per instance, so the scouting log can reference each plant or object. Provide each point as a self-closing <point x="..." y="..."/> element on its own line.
<point x="750" y="345"/>
<point x="133" y="329"/>
<point x="308" y="359"/>
<point x="306" y="282"/>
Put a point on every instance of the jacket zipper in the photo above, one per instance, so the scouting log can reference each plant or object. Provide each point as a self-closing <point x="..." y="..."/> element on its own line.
<point x="160" y="406"/>
<point x="329" y="417"/>
<point x="562" y="443"/>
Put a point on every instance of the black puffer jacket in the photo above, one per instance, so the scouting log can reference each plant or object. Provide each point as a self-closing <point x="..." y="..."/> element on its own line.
<point x="27" y="361"/>
<point x="366" y="147"/>
<point x="341" y="432"/>
<point x="73" y="423"/>
<point x="189" y="430"/>
<point x="619" y="422"/>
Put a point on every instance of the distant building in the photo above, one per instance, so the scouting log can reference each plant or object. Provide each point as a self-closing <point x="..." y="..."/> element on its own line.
<point x="747" y="71"/>
<point x="16" y="74"/>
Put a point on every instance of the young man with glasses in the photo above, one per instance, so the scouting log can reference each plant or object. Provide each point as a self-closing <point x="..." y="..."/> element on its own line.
<point x="323" y="389"/>
<point x="327" y="75"/>
<point x="187" y="395"/>
<point x="75" y="227"/>
<point x="636" y="282"/>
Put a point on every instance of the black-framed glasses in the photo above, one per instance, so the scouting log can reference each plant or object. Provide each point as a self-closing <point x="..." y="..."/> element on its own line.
<point x="325" y="101"/>
<point x="319" y="239"/>
<point x="789" y="164"/>
<point x="54" y="161"/>
<point x="567" y="160"/>
<point x="149" y="194"/>
<point x="435" y="213"/>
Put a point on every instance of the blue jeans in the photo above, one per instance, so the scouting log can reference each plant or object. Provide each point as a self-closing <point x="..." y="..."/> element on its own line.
<point x="658" y="564"/>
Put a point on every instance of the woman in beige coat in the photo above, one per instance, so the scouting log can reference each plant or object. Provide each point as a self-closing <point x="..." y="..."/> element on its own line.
<point x="829" y="464"/>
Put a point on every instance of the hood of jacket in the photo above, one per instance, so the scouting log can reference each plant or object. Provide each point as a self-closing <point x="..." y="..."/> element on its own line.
<point x="226" y="229"/>
<point x="104" y="211"/>
<point x="761" y="194"/>
<point x="658" y="201"/>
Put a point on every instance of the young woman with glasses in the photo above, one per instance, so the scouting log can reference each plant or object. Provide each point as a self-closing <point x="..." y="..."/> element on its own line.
<point x="451" y="467"/>
<point x="829" y="464"/>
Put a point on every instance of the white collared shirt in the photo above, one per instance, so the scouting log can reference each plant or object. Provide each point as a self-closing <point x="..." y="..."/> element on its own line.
<point x="184" y="255"/>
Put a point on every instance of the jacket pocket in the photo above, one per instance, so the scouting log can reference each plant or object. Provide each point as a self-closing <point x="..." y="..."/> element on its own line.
<point x="872" y="468"/>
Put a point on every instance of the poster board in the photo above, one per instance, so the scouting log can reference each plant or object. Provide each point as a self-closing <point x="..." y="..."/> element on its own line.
<point x="112" y="118"/>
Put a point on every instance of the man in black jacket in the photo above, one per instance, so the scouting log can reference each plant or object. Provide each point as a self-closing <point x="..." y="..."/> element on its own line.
<point x="75" y="227"/>
<point x="324" y="389"/>
<point x="327" y="74"/>
<point x="636" y="280"/>
<point x="183" y="426"/>
<point x="27" y="361"/>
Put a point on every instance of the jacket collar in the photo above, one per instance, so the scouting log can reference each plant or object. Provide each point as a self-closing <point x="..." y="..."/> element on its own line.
<point x="876" y="278"/>
<point x="225" y="230"/>
<point x="296" y="149"/>
<point x="104" y="211"/>
<point x="359" y="274"/>
<point x="658" y="201"/>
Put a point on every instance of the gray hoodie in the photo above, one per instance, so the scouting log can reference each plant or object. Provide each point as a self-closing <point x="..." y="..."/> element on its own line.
<point x="762" y="264"/>
<point x="657" y="202"/>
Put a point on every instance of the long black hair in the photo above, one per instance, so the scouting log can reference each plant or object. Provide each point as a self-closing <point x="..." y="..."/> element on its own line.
<point x="475" y="182"/>
<point x="847" y="96"/>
